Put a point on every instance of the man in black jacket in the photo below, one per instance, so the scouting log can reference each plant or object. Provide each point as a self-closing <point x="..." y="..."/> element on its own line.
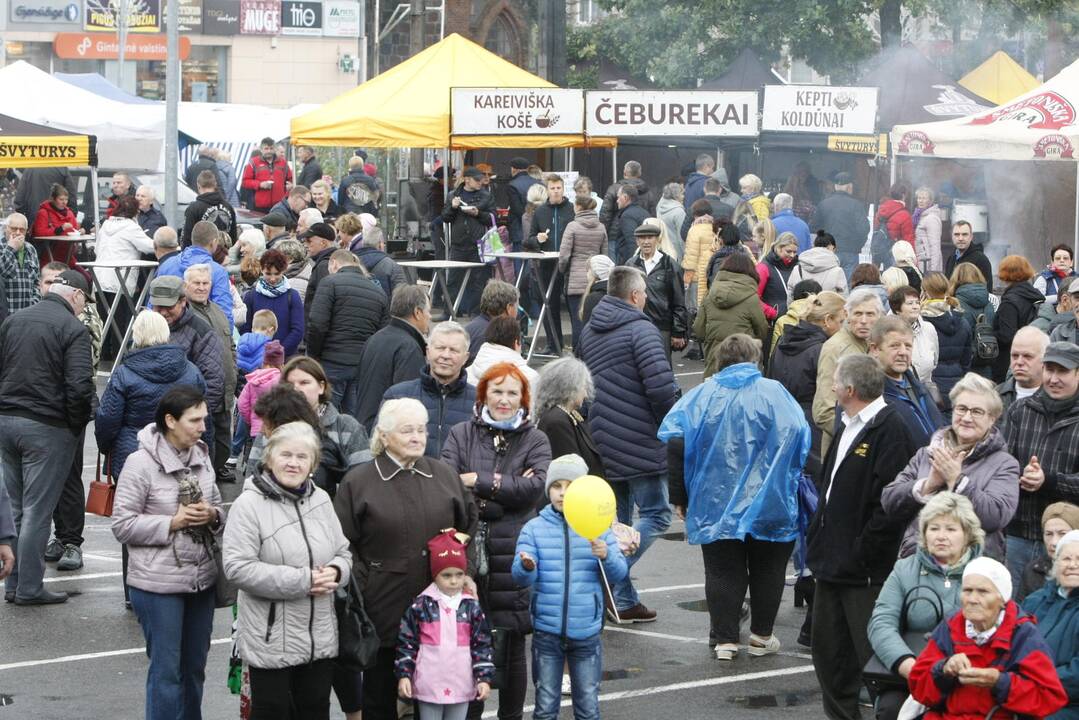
<point x="845" y="218"/>
<point x="321" y="242"/>
<point x="631" y="175"/>
<point x="358" y="191"/>
<point x="396" y="352"/>
<point x="852" y="543"/>
<point x="666" y="304"/>
<point x="720" y="208"/>
<point x="312" y="170"/>
<point x="206" y="161"/>
<point x="470" y="213"/>
<point x="210" y="205"/>
<point x="518" y="186"/>
<point x="968" y="251"/>
<point x="348" y="308"/>
<point x="548" y="225"/>
<point x="621" y="241"/>
<point x="150" y="219"/>
<point x="46" y="399"/>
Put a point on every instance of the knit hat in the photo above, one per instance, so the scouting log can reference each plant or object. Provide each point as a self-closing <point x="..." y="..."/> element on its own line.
<point x="565" y="467"/>
<point x="992" y="571"/>
<point x="600" y="265"/>
<point x="1064" y="511"/>
<point x="273" y="355"/>
<point x="446" y="551"/>
<point x="1072" y="536"/>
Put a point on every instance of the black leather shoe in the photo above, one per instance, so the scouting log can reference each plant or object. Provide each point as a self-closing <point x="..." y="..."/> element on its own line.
<point x="45" y="598"/>
<point x="9" y="596"/>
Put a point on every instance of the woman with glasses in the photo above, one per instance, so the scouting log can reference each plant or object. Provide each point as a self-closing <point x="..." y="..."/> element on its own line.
<point x="969" y="458"/>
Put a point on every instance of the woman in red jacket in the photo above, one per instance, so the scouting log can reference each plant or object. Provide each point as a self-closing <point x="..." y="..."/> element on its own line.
<point x="988" y="654"/>
<point x="54" y="217"/>
<point x="894" y="214"/>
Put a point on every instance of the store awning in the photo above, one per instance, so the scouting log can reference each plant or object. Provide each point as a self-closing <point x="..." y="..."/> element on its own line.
<point x="409" y="104"/>
<point x="97" y="84"/>
<point x="999" y="79"/>
<point x="25" y="145"/>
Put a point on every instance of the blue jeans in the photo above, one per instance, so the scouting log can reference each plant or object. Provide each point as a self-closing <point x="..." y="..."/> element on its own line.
<point x="654" y="516"/>
<point x="344" y="385"/>
<point x="574" y="303"/>
<point x="177" y="628"/>
<point x="240" y="435"/>
<point x="35" y="459"/>
<point x="848" y="261"/>
<point x="585" y="658"/>
<point x="1018" y="553"/>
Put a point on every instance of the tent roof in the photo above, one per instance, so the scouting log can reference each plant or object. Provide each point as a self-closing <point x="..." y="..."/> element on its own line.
<point x="409" y="104"/>
<point x="1042" y="124"/>
<point x="999" y="79"/>
<point x="97" y="84"/>
<point x="24" y="144"/>
<point x="912" y="90"/>
<point x="747" y="72"/>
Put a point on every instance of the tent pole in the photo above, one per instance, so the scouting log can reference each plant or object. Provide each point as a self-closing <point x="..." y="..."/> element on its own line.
<point x="893" y="170"/>
<point x="447" y="178"/>
<point x="93" y="194"/>
<point x="614" y="164"/>
<point x="1076" y="208"/>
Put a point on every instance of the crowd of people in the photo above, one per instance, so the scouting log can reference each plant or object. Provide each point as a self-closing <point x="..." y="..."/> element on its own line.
<point x="903" y="431"/>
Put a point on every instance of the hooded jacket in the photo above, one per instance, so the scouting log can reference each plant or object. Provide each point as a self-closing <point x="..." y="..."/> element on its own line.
<point x="796" y="310"/>
<point x="635" y="388"/>
<point x="974" y="302"/>
<point x="584" y="237"/>
<point x="289" y="310"/>
<point x="931" y="592"/>
<point x="609" y="208"/>
<point x="220" y="284"/>
<point x="347" y="310"/>
<point x="447" y="405"/>
<point x="731" y="306"/>
<point x="505" y="506"/>
<point x="567" y="588"/>
<point x="50" y="220"/>
<point x="130" y="400"/>
<point x="1019" y="305"/>
<point x="744" y="446"/>
<point x="1028" y="685"/>
<point x="1058" y="620"/>
<point x="673" y="215"/>
<point x="490" y="354"/>
<point x="895" y="216"/>
<point x="699" y="242"/>
<point x="955" y="345"/>
<point x="666" y="303"/>
<point x="822" y="265"/>
<point x="1049" y="319"/>
<point x="120" y="240"/>
<point x="200" y="163"/>
<point x="927" y="239"/>
<point x="989" y="478"/>
<point x="258" y="384"/>
<point x="209" y="207"/>
<point x="794" y="362"/>
<point x="147" y="496"/>
<point x="845" y="218"/>
<point x="723" y="206"/>
<point x="203" y="348"/>
<point x="382" y="268"/>
<point x="249" y="351"/>
<point x="975" y="255"/>
<point x="274" y="539"/>
<point x="694" y="188"/>
<point x="358" y="193"/>
<point x="787" y="221"/>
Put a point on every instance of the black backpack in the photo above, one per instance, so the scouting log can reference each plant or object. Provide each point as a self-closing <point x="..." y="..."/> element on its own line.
<point x="880" y="243"/>
<point x="985" y="340"/>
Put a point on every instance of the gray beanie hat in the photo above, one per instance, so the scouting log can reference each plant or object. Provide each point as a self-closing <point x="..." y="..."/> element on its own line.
<point x="565" y="467"/>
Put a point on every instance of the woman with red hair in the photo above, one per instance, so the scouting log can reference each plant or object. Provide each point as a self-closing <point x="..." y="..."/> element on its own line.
<point x="1019" y="306"/>
<point x="503" y="460"/>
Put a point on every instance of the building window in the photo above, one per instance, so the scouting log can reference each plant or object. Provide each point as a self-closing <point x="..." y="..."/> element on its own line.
<point x="503" y="40"/>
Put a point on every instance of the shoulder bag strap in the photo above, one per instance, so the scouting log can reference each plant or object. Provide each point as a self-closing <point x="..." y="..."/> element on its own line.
<point x="908" y="603"/>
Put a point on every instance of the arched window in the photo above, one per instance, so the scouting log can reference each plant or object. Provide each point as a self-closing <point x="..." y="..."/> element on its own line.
<point x="503" y="39"/>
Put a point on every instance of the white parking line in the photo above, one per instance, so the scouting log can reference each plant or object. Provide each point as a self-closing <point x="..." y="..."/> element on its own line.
<point x="689" y="685"/>
<point x="671" y="588"/>
<point x="107" y="558"/>
<point x="686" y="374"/>
<point x="84" y="576"/>
<point x="683" y="638"/>
<point x="88" y="656"/>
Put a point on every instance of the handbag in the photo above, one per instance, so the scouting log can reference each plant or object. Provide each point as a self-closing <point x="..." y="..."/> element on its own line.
<point x="880" y="678"/>
<point x="490" y="245"/>
<point x="102" y="493"/>
<point x="224" y="589"/>
<point x="357" y="638"/>
<point x="500" y="656"/>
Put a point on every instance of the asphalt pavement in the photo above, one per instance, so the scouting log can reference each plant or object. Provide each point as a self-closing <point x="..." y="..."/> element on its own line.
<point x="85" y="659"/>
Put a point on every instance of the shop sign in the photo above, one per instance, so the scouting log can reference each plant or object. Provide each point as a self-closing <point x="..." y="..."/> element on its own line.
<point x="89" y="46"/>
<point x="341" y="18"/>
<point x="51" y="12"/>
<point x="1054" y="147"/>
<point x="820" y="109"/>
<point x="859" y="144"/>
<point x="301" y="17"/>
<point x="1044" y="111"/>
<point x="517" y="111"/>
<point x="190" y="12"/>
<point x="643" y="112"/>
<point x="144" y="16"/>
<point x="220" y="17"/>
<point x="915" y="142"/>
<point x="260" y="17"/>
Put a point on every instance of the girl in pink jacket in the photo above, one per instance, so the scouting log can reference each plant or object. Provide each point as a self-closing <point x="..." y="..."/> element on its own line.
<point x="444" y="647"/>
<point x="259" y="382"/>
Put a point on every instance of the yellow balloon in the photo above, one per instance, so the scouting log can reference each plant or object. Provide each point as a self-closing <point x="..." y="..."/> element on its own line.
<point x="589" y="506"/>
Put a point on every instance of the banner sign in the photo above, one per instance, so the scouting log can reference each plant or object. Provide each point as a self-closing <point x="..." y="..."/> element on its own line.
<point x="301" y="17"/>
<point x="221" y="17"/>
<point x="144" y="16"/>
<point x="87" y="46"/>
<point x="517" y="111"/>
<point x="190" y="12"/>
<point x="859" y="144"/>
<point x="260" y="17"/>
<point x="341" y="18"/>
<point x="644" y="112"/>
<point x="50" y="12"/>
<point x="44" y="151"/>
<point x="820" y="109"/>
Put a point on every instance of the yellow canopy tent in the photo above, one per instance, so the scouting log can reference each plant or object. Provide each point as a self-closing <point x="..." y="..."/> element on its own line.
<point x="25" y="145"/>
<point x="999" y="79"/>
<point x="409" y="105"/>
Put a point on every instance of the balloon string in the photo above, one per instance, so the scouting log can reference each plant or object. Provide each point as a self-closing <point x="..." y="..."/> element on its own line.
<point x="610" y="593"/>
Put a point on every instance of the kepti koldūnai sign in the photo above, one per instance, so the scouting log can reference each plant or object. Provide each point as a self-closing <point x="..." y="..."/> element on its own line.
<point x="820" y="109"/>
<point x="671" y="113"/>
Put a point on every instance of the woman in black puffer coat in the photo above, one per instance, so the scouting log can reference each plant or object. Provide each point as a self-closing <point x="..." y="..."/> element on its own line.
<point x="503" y="459"/>
<point x="1019" y="305"/>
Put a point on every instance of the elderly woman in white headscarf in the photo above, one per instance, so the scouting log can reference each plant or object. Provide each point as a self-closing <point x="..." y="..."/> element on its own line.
<point x="1056" y="607"/>
<point x="599" y="269"/>
<point x="907" y="261"/>
<point x="988" y="655"/>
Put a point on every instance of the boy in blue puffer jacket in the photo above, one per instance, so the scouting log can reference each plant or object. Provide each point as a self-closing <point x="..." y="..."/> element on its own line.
<point x="567" y="597"/>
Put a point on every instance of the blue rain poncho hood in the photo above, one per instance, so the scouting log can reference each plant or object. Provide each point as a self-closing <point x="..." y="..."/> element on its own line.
<point x="746" y="441"/>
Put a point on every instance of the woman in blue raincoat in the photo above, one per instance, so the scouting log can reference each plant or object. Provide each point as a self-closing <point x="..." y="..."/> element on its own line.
<point x="736" y="445"/>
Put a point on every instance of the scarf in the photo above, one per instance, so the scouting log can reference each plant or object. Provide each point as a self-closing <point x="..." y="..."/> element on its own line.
<point x="272" y="291"/>
<point x="510" y="424"/>
<point x="916" y="215"/>
<point x="1054" y="407"/>
<point x="981" y="638"/>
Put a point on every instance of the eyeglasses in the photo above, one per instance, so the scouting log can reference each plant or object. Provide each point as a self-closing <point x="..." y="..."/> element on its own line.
<point x="976" y="413"/>
<point x="13" y="230"/>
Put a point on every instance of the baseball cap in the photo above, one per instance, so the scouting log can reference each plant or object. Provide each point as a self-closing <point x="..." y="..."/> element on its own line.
<point x="322" y="230"/>
<point x="75" y="279"/>
<point x="474" y="173"/>
<point x="843" y="178"/>
<point x="1064" y="354"/>
<point x="276" y="220"/>
<point x="166" y="291"/>
<point x="519" y="163"/>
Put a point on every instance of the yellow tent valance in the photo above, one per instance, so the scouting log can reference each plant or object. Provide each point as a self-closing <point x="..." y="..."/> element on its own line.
<point x="24" y="145"/>
<point x="409" y="104"/>
<point x="999" y="79"/>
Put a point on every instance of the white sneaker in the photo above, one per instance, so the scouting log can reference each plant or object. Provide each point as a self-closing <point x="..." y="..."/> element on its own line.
<point x="726" y="651"/>
<point x="759" y="646"/>
<point x="567" y="688"/>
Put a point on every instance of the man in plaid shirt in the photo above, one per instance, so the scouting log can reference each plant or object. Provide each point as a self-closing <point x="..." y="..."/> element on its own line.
<point x="1042" y="432"/>
<point x="19" y="267"/>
